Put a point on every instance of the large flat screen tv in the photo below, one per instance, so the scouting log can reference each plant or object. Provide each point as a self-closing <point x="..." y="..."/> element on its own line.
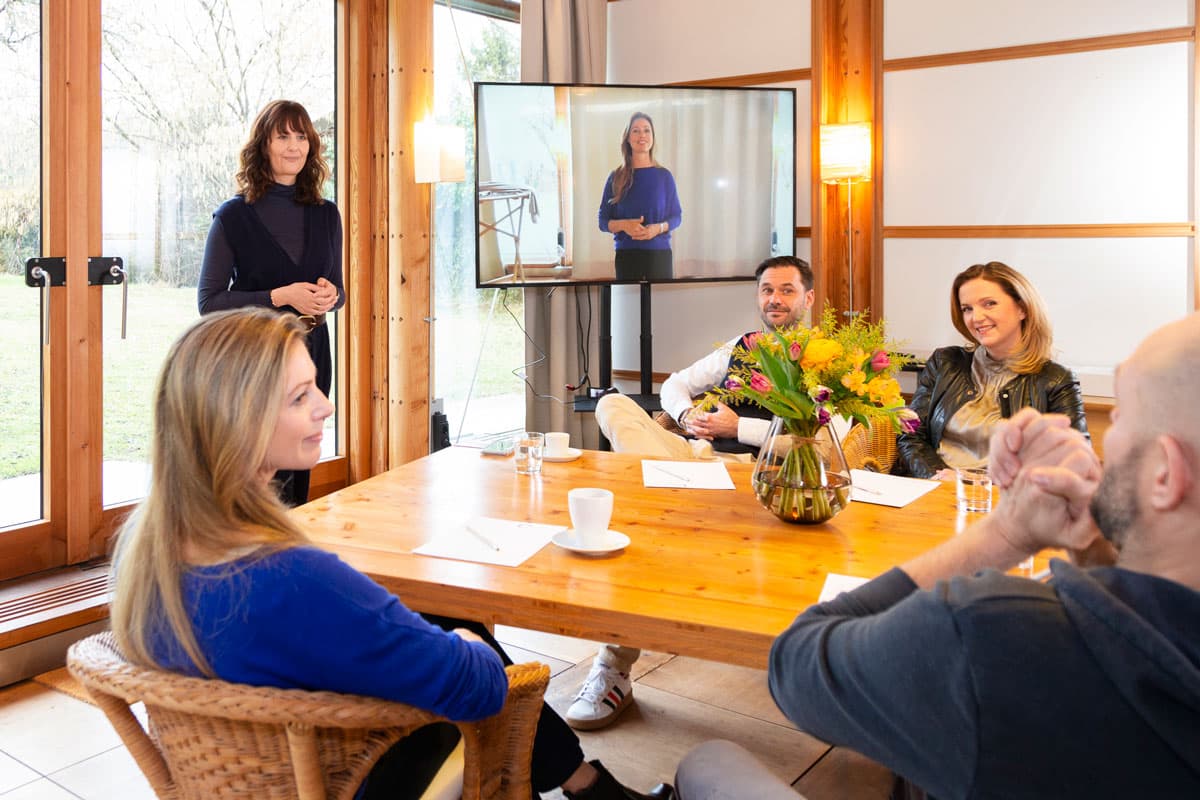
<point x="626" y="184"/>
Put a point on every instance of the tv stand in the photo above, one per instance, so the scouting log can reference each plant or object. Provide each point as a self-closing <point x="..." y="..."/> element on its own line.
<point x="645" y="397"/>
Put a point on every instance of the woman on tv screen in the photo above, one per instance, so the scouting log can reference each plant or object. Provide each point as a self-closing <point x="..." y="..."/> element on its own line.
<point x="640" y="207"/>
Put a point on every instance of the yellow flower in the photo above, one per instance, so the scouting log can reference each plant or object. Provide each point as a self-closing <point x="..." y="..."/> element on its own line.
<point x="857" y="357"/>
<point x="820" y="353"/>
<point x="856" y="382"/>
<point x="884" y="390"/>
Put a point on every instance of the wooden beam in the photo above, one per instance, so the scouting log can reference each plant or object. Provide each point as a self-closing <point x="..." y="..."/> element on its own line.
<point x="409" y="257"/>
<point x="846" y="84"/>
<point x="364" y="112"/>
<point x="1058" y="48"/>
<point x="1086" y="231"/>
<point x="751" y="79"/>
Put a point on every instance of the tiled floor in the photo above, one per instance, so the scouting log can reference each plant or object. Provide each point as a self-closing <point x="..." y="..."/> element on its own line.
<point x="54" y="747"/>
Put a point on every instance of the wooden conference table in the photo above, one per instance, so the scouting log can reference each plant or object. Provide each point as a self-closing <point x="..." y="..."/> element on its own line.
<point x="709" y="574"/>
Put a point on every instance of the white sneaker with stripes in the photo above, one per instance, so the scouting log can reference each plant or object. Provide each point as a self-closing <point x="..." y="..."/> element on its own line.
<point x="604" y="695"/>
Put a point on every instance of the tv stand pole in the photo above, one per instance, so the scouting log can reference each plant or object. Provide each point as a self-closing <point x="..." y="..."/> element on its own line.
<point x="646" y="340"/>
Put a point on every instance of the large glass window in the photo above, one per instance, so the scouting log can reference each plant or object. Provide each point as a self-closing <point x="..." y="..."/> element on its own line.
<point x="182" y="82"/>
<point x="20" y="239"/>
<point x="479" y="343"/>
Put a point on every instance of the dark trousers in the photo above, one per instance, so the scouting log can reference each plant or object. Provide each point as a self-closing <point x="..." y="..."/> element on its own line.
<point x="644" y="265"/>
<point x="556" y="750"/>
<point x="293" y="483"/>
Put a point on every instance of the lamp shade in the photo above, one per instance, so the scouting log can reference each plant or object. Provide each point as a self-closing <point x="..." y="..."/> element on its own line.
<point x="439" y="153"/>
<point x="846" y="152"/>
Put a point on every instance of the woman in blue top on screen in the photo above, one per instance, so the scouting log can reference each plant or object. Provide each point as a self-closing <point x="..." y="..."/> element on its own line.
<point x="964" y="391"/>
<point x="215" y="578"/>
<point x="640" y="207"/>
<point x="278" y="243"/>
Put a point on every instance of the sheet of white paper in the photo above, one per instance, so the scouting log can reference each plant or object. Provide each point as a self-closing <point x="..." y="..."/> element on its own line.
<point x="490" y="541"/>
<point x="686" y="475"/>
<point x="888" y="490"/>
<point x="836" y="584"/>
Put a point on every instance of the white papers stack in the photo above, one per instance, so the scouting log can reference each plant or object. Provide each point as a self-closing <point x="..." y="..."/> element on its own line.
<point x="686" y="475"/>
<point x="836" y="584"/>
<point x="490" y="541"/>
<point x="888" y="490"/>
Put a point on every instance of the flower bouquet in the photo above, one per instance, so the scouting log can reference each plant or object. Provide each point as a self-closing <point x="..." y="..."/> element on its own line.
<point x="804" y="376"/>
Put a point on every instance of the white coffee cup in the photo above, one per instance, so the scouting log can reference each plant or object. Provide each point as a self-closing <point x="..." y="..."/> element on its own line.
<point x="557" y="443"/>
<point x="591" y="511"/>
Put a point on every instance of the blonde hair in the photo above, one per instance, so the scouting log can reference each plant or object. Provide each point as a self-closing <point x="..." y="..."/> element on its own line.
<point x="215" y="408"/>
<point x="1037" y="336"/>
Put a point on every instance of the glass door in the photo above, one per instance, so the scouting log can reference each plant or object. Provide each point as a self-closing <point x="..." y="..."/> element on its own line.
<point x="182" y="82"/>
<point x="20" y="239"/>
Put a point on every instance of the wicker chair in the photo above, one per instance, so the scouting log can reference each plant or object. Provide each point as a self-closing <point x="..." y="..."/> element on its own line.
<point x="212" y="739"/>
<point x="870" y="447"/>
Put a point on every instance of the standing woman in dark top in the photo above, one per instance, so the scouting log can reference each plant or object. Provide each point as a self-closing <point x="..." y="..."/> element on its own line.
<point x="640" y="207"/>
<point x="278" y="242"/>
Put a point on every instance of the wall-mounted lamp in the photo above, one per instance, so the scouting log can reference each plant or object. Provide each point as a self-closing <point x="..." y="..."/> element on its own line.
<point x="846" y="157"/>
<point x="439" y="153"/>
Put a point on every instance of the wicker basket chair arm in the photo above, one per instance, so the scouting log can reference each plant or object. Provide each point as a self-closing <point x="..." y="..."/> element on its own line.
<point x="502" y="769"/>
<point x="213" y="739"/>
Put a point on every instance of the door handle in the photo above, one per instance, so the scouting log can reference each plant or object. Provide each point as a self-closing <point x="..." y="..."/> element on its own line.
<point x="106" y="271"/>
<point x="44" y="273"/>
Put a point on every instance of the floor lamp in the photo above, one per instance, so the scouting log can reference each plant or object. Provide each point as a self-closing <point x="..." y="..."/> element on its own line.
<point x="846" y="156"/>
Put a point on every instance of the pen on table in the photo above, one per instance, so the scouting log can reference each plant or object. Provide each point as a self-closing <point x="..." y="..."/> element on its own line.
<point x="686" y="480"/>
<point x="483" y="538"/>
<point x="858" y="488"/>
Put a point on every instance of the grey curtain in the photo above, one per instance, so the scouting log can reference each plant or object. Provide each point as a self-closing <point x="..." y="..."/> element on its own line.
<point x="562" y="41"/>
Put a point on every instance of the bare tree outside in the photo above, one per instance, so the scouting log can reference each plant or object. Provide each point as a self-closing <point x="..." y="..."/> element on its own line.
<point x="182" y="83"/>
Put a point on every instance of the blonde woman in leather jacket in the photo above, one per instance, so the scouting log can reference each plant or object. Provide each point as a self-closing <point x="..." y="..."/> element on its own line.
<point x="964" y="391"/>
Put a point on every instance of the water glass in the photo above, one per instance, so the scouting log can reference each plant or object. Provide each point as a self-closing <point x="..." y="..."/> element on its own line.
<point x="529" y="452"/>
<point x="973" y="489"/>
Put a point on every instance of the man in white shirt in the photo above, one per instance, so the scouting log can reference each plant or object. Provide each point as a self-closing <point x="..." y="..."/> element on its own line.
<point x="785" y="294"/>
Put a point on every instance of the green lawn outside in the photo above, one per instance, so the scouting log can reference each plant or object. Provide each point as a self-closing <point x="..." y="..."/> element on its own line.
<point x="157" y="315"/>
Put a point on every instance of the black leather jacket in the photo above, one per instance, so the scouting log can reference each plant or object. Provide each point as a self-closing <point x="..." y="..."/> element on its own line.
<point x="946" y="385"/>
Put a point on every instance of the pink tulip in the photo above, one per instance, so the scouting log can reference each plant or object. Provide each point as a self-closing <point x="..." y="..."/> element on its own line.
<point x="795" y="351"/>
<point x="759" y="382"/>
<point x="880" y="361"/>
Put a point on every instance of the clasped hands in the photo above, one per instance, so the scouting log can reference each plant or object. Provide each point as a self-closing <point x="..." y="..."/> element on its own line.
<point x="307" y="298"/>
<point x="1049" y="472"/>
<point x="720" y="423"/>
<point x="635" y="229"/>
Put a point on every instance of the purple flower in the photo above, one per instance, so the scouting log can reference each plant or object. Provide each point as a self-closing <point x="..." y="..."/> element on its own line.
<point x="880" y="361"/>
<point x="820" y="394"/>
<point x="759" y="382"/>
<point x="733" y="384"/>
<point x="823" y="415"/>
<point x="909" y="421"/>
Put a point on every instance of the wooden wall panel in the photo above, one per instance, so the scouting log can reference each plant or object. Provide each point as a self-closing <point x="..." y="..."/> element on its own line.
<point x="410" y="98"/>
<point x="846" y="87"/>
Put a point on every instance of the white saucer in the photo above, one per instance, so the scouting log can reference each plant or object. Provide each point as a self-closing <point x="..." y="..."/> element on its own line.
<point x="571" y="454"/>
<point x="611" y="543"/>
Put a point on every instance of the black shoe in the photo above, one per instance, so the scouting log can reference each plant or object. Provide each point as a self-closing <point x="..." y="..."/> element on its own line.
<point x="606" y="787"/>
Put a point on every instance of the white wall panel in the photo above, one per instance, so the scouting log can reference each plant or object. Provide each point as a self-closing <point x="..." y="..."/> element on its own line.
<point x="923" y="27"/>
<point x="1103" y="295"/>
<point x="1086" y="138"/>
<point x="666" y="41"/>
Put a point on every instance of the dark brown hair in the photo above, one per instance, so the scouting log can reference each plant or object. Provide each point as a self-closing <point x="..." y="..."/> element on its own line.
<point x="254" y="176"/>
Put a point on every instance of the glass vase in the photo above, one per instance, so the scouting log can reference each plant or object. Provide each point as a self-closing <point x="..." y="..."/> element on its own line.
<point x="801" y="475"/>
